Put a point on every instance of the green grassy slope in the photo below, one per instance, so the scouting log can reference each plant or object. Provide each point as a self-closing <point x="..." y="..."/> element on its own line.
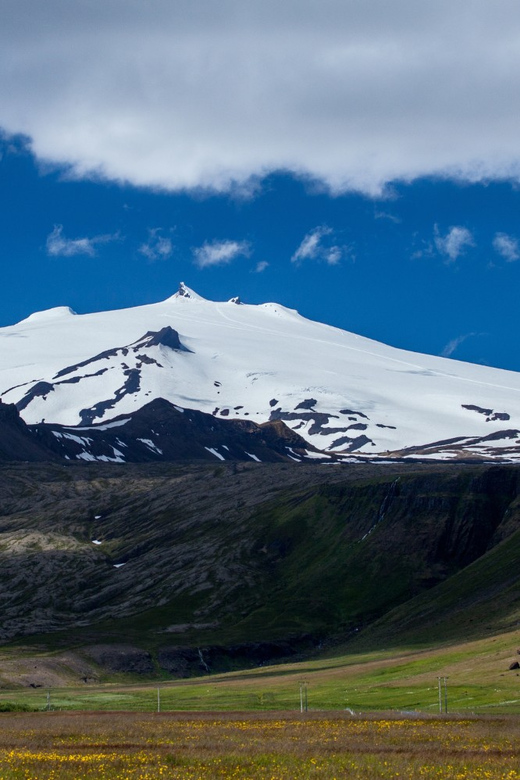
<point x="478" y="681"/>
<point x="481" y="600"/>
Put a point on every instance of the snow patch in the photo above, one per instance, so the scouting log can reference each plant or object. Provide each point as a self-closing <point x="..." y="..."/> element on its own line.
<point x="85" y="456"/>
<point x="151" y="446"/>
<point x="215" y="453"/>
<point x="104" y="427"/>
<point x="78" y="439"/>
<point x="253" y="457"/>
<point x="316" y="455"/>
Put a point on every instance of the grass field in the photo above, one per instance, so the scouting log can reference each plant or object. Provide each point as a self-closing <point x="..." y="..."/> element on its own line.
<point x="371" y="715"/>
<point x="260" y="746"/>
<point x="478" y="682"/>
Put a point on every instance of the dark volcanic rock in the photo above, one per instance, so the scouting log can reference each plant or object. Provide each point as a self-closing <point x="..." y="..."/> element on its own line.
<point x="489" y="414"/>
<point x="353" y="443"/>
<point x="350" y="411"/>
<point x="178" y="661"/>
<point x="186" y="661"/>
<point x="479" y="409"/>
<point x="39" y="390"/>
<point x="319" y="420"/>
<point x="307" y="404"/>
<point x="131" y="385"/>
<point x="166" y="337"/>
<point x="161" y="431"/>
<point x="17" y="441"/>
<point x="121" y="658"/>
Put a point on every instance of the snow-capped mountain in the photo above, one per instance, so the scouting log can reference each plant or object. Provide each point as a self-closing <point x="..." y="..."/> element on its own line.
<point x="339" y="391"/>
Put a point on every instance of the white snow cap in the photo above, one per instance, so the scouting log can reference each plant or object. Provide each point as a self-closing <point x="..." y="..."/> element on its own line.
<point x="339" y="391"/>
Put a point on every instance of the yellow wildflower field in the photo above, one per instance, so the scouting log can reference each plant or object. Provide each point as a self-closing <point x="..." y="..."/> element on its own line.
<point x="256" y="746"/>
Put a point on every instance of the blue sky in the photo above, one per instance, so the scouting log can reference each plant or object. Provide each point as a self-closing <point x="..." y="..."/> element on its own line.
<point x="358" y="166"/>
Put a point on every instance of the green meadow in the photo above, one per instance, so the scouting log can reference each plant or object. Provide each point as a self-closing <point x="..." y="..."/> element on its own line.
<point x="478" y="680"/>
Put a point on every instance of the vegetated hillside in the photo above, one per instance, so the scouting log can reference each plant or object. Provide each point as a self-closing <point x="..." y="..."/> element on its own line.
<point x="203" y="566"/>
<point x="480" y="600"/>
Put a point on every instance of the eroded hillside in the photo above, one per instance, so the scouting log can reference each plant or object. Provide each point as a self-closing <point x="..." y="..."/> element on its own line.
<point x="262" y="559"/>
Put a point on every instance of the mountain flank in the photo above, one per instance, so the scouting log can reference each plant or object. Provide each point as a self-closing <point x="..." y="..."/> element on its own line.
<point x="159" y="431"/>
<point x="196" y="567"/>
<point x="346" y="396"/>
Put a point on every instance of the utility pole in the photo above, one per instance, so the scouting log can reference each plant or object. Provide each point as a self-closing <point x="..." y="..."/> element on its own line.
<point x="443" y="681"/>
<point x="303" y="696"/>
<point x="158" y="699"/>
<point x="48" y="701"/>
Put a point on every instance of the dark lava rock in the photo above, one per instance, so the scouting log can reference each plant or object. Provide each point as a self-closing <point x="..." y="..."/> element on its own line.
<point x="121" y="658"/>
<point x="17" y="441"/>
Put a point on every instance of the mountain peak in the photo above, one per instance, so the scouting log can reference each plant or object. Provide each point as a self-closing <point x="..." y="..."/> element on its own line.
<point x="49" y="314"/>
<point x="186" y="292"/>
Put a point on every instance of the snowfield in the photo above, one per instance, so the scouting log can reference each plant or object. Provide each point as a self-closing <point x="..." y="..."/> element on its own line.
<point x="341" y="392"/>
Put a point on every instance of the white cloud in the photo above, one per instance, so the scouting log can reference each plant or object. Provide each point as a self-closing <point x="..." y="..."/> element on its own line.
<point x="220" y="252"/>
<point x="206" y="94"/>
<point x="316" y="247"/>
<point x="157" y="247"/>
<point x="506" y="246"/>
<point x="261" y="266"/>
<point x="60" y="246"/>
<point x="332" y="255"/>
<point x="454" y="243"/>
<point x="389" y="217"/>
<point x="453" y="345"/>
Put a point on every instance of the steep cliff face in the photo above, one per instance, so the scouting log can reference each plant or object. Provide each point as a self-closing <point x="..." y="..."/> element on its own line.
<point x="349" y="552"/>
<point x="234" y="554"/>
<point x="16" y="440"/>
